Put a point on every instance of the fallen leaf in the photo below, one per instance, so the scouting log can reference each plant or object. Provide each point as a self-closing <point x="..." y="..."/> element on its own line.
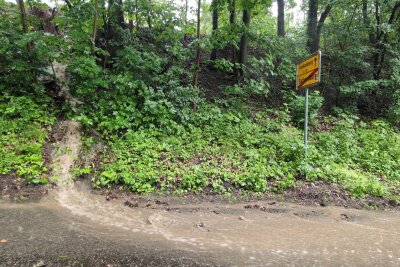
<point x="3" y="241"/>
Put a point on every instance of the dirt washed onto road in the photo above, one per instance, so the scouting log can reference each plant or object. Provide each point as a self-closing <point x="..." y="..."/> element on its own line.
<point x="73" y="226"/>
<point x="92" y="231"/>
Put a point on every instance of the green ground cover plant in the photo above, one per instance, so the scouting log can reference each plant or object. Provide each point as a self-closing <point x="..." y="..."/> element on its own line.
<point x="24" y="127"/>
<point x="204" y="105"/>
<point x="224" y="151"/>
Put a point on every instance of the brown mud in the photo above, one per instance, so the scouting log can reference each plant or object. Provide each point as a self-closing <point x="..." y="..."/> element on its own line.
<point x="261" y="233"/>
<point x="14" y="188"/>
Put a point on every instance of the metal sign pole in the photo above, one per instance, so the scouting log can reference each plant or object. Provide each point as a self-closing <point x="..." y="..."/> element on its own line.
<point x="306" y="125"/>
<point x="308" y="73"/>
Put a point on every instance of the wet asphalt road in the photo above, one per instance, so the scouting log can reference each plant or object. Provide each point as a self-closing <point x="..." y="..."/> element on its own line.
<point x="30" y="243"/>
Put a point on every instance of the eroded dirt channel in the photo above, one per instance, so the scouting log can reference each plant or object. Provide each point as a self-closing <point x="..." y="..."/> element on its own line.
<point x="73" y="226"/>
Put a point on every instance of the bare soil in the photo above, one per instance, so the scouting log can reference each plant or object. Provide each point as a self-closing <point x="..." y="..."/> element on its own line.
<point x="324" y="194"/>
<point x="310" y="194"/>
<point x="16" y="189"/>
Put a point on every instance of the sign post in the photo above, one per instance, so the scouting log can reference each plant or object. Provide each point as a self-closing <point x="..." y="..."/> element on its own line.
<point x="308" y="73"/>
<point x="306" y="124"/>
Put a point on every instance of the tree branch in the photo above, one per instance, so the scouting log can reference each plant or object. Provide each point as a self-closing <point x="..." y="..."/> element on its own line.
<point x="352" y="17"/>
<point x="68" y="3"/>
<point x="323" y="17"/>
<point x="393" y="15"/>
<point x="378" y="22"/>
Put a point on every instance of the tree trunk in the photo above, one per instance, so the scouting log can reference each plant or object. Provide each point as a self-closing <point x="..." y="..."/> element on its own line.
<point x="95" y="23"/>
<point x="23" y="15"/>
<point x="119" y="13"/>
<point x="280" y="31"/>
<point x="232" y="13"/>
<point x="232" y="21"/>
<point x="244" y="40"/>
<point x="281" y="18"/>
<point x="137" y="15"/>
<point x="312" y="25"/>
<point x="381" y="39"/>
<point x="186" y="11"/>
<point x="378" y="43"/>
<point x="149" y="14"/>
<point x="186" y="19"/>
<point x="130" y="25"/>
<point x="198" y="54"/>
<point x="115" y="13"/>
<point x="214" y="26"/>
<point x="366" y="21"/>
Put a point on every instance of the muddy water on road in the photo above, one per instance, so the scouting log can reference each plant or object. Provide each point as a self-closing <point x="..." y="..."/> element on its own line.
<point x="284" y="234"/>
<point x="265" y="234"/>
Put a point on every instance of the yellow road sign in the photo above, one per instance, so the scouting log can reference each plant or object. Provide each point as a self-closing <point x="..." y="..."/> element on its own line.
<point x="308" y="71"/>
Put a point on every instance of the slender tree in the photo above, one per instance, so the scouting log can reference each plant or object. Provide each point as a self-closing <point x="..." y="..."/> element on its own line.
<point x="23" y="15"/>
<point x="94" y="33"/>
<point x="244" y="40"/>
<point x="381" y="35"/>
<point x="214" y="6"/>
<point x="281" y="18"/>
<point x="366" y="21"/>
<point x="24" y="21"/>
<point x="185" y="18"/>
<point x="137" y="17"/>
<point x="148" y="10"/>
<point x="119" y="13"/>
<point x="232" y="21"/>
<point x="198" y="52"/>
<point x="233" y="47"/>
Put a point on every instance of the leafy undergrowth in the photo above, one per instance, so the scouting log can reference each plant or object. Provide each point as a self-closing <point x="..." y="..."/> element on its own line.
<point x="225" y="151"/>
<point x="24" y="126"/>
